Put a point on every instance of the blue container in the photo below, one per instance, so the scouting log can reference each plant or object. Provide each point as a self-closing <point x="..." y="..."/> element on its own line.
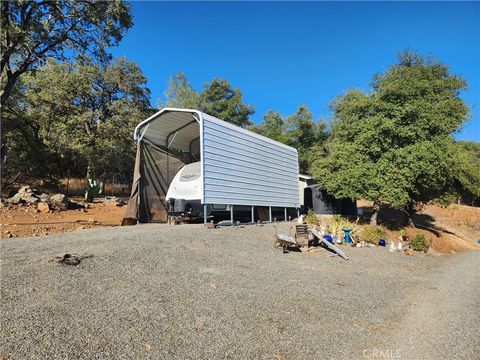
<point x="347" y="238"/>
<point x="382" y="242"/>
<point x="328" y="238"/>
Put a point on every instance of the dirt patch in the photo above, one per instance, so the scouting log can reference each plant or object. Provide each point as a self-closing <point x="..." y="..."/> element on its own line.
<point x="444" y="242"/>
<point x="20" y="221"/>
<point x="460" y="220"/>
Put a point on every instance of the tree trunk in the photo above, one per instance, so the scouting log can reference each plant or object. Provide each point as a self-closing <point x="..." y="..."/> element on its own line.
<point x="410" y="211"/>
<point x="375" y="209"/>
<point x="10" y="83"/>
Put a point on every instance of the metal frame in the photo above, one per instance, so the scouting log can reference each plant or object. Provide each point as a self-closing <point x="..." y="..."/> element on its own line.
<point x="138" y="136"/>
<point x="174" y="133"/>
<point x="190" y="146"/>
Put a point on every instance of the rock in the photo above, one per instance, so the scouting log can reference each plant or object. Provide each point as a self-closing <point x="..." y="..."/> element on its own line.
<point x="44" y="197"/>
<point x="59" y="201"/>
<point x="43" y="207"/>
<point x="24" y="195"/>
<point x="31" y="198"/>
<point x="114" y="201"/>
<point x="16" y="199"/>
<point x="25" y="190"/>
<point x="76" y="205"/>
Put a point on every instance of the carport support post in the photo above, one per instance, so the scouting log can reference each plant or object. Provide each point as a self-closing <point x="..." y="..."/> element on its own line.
<point x="231" y="214"/>
<point x="285" y="213"/>
<point x="270" y="214"/>
<point x="204" y="213"/>
<point x="253" y="215"/>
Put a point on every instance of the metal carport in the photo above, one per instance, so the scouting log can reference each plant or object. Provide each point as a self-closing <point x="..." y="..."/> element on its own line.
<point x="238" y="167"/>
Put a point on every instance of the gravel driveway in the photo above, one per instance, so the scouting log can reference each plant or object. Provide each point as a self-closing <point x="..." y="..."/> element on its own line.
<point x="185" y="292"/>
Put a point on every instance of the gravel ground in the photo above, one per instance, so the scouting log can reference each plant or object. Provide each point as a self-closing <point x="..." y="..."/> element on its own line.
<point x="443" y="321"/>
<point x="185" y="292"/>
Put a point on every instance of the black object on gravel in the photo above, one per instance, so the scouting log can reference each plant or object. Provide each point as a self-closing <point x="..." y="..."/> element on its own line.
<point x="69" y="259"/>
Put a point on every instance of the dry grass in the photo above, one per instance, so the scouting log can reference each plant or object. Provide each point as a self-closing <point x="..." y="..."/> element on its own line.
<point x="77" y="187"/>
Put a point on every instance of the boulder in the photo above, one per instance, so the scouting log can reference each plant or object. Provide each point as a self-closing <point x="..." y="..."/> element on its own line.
<point x="16" y="199"/>
<point x="43" y="207"/>
<point x="24" y="195"/>
<point x="30" y="198"/>
<point x="25" y="190"/>
<point x="44" y="197"/>
<point x="59" y="201"/>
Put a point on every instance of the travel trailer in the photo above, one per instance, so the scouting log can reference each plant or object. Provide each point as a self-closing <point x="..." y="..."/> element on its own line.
<point x="183" y="197"/>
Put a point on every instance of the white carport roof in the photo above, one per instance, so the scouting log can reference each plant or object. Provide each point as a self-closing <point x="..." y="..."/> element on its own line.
<point x="177" y="130"/>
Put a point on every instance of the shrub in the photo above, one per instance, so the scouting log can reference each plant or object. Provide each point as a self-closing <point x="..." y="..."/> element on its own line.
<point x="418" y="243"/>
<point x="445" y="200"/>
<point x="371" y="234"/>
<point x="337" y="224"/>
<point x="311" y="218"/>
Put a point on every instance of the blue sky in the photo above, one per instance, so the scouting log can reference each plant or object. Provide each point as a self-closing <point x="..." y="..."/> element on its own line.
<point x="283" y="54"/>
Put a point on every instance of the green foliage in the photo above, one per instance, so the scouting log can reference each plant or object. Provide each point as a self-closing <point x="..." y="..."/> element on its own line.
<point x="180" y="94"/>
<point x="445" y="199"/>
<point x="418" y="243"/>
<point x="33" y="31"/>
<point x="371" y="234"/>
<point x="217" y="98"/>
<point x="72" y="116"/>
<point x="273" y="126"/>
<point x="93" y="189"/>
<point x="337" y="224"/>
<point x="298" y="130"/>
<point x="466" y="171"/>
<point x="311" y="218"/>
<point x="394" y="145"/>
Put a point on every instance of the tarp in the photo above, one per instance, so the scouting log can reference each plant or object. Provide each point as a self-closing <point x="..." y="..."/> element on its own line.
<point x="155" y="168"/>
<point x="130" y="217"/>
